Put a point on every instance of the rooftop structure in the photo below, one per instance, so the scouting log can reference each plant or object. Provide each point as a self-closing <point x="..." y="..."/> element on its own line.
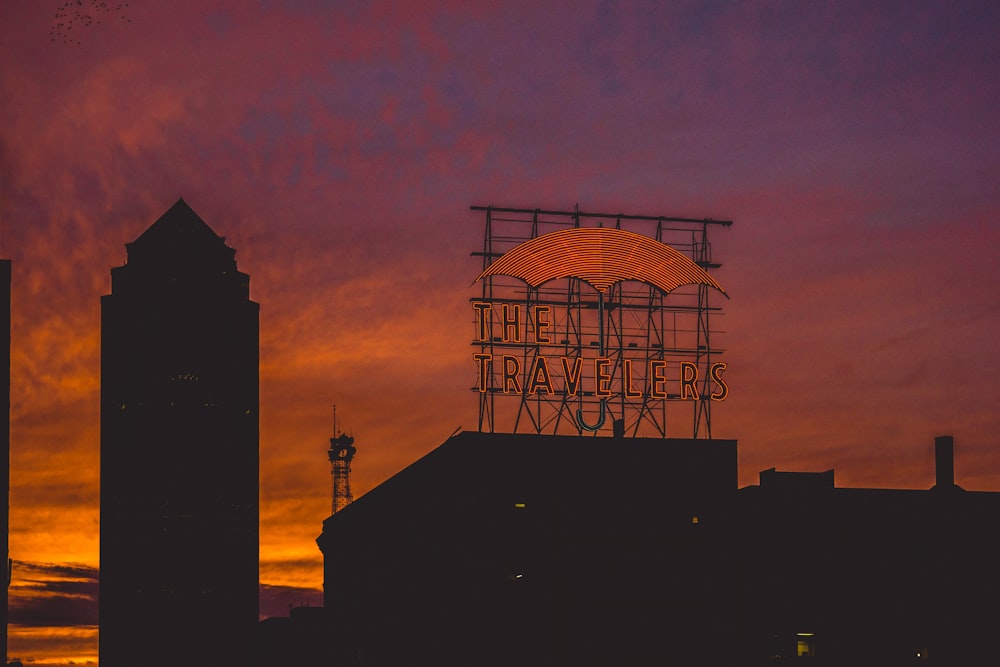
<point x="341" y="453"/>
<point x="561" y="291"/>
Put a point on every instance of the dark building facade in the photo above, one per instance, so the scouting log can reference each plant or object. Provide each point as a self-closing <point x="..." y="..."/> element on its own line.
<point x="498" y="549"/>
<point x="5" y="278"/>
<point x="179" y="451"/>
<point x="877" y="577"/>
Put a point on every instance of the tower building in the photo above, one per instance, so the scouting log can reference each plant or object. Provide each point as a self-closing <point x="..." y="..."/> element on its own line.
<point x="179" y="451"/>
<point x="5" y="431"/>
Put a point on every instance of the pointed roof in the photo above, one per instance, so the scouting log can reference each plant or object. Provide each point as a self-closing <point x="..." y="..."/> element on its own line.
<point x="179" y="220"/>
<point x="179" y="233"/>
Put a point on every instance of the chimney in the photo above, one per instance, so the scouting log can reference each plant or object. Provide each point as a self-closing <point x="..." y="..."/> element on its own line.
<point x="944" y="461"/>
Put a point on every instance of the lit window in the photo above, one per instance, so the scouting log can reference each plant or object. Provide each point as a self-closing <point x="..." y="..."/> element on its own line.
<point x="519" y="506"/>
<point x="805" y="644"/>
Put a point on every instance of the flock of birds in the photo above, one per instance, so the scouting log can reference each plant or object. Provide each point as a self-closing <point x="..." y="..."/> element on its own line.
<point x="75" y="15"/>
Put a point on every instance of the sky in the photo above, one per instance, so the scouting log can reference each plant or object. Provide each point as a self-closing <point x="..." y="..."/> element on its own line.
<point x="339" y="146"/>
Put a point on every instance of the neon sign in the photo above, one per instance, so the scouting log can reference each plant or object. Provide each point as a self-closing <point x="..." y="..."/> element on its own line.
<point x="587" y="322"/>
<point x="600" y="257"/>
<point x="564" y="375"/>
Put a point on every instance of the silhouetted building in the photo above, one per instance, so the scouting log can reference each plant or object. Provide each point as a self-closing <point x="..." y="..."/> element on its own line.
<point x="875" y="577"/>
<point x="303" y="639"/>
<point x="5" y="277"/>
<point x="179" y="451"/>
<point x="498" y="549"/>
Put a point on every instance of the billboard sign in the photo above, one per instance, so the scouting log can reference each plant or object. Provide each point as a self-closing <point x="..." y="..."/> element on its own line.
<point x="592" y="328"/>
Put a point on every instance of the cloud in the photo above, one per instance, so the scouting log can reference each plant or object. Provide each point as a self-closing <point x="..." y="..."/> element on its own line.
<point x="53" y="646"/>
<point x="53" y="595"/>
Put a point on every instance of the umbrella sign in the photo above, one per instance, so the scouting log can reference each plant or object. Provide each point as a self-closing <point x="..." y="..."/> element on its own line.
<point x="524" y="345"/>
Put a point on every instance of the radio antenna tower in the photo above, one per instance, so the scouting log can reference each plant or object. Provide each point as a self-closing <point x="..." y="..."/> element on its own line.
<point x="341" y="452"/>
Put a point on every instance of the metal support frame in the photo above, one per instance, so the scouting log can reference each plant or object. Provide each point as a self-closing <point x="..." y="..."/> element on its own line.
<point x="341" y="453"/>
<point x="632" y="323"/>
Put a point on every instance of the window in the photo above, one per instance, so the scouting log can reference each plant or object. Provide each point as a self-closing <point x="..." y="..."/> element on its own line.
<point x="805" y="644"/>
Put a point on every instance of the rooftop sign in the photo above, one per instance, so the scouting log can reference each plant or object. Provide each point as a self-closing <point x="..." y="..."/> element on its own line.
<point x="600" y="257"/>
<point x="594" y="328"/>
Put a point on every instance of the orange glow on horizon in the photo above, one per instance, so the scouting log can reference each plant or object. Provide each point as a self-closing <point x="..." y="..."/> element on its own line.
<point x="53" y="645"/>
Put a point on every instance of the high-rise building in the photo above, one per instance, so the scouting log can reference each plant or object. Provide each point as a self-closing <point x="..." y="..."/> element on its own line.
<point x="5" y="430"/>
<point x="179" y="578"/>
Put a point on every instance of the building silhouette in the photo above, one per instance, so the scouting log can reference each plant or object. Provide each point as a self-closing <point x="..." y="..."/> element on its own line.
<point x="501" y="549"/>
<point x="877" y="577"/>
<point x="179" y="451"/>
<point x="504" y="549"/>
<point x="5" y="281"/>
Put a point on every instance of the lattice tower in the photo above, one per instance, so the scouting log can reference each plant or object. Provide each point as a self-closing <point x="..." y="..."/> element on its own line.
<point x="341" y="453"/>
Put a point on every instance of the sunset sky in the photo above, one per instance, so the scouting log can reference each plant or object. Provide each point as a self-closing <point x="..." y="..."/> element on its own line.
<point x="338" y="147"/>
